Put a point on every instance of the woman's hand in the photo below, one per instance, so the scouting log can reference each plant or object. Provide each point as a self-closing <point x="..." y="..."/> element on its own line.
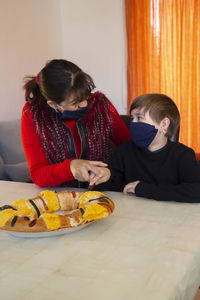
<point x="85" y="170"/>
<point x="130" y="187"/>
<point x="102" y="176"/>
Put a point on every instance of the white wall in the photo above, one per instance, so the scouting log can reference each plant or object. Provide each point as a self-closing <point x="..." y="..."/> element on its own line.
<point x="90" y="33"/>
<point x="28" y="39"/>
<point x="94" y="38"/>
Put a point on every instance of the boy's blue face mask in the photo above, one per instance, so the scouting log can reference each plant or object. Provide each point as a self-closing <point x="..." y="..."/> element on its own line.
<point x="74" y="114"/>
<point x="142" y="133"/>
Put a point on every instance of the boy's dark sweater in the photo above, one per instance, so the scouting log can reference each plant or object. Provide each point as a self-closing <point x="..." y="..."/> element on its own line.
<point x="170" y="174"/>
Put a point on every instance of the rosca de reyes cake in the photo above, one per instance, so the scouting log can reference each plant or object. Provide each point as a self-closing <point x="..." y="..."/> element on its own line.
<point x="55" y="210"/>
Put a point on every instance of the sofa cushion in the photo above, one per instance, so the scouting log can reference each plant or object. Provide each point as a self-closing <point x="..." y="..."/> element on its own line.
<point x="13" y="165"/>
<point x="17" y="172"/>
<point x="3" y="176"/>
<point x="11" y="148"/>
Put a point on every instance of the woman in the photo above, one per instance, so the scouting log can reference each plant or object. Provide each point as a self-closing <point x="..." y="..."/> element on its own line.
<point x="66" y="128"/>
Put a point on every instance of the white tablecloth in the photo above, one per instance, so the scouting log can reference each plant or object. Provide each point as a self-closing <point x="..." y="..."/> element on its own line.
<point x="146" y="250"/>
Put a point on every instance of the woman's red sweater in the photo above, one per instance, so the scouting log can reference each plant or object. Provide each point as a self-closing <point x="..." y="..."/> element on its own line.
<point x="42" y="172"/>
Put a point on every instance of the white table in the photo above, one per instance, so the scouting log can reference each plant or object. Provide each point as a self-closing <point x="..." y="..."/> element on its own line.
<point x="145" y="250"/>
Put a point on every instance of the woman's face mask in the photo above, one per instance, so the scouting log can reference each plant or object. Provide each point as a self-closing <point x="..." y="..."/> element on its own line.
<point x="74" y="114"/>
<point x="68" y="110"/>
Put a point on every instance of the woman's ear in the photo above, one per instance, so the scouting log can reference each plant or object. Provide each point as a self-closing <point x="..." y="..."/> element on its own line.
<point x="164" y="124"/>
<point x="51" y="103"/>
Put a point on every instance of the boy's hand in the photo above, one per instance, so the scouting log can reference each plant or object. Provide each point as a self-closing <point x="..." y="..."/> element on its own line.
<point x="130" y="187"/>
<point x="101" y="176"/>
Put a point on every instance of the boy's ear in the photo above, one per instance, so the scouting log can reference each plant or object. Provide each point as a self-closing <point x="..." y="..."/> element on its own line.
<point x="164" y="124"/>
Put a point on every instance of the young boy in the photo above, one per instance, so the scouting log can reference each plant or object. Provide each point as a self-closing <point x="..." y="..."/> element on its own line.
<point x="151" y="165"/>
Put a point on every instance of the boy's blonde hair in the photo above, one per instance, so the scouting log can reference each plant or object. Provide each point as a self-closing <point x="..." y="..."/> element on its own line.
<point x="159" y="106"/>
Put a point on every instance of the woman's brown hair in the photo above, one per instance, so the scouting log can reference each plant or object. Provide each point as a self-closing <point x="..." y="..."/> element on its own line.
<point x="57" y="81"/>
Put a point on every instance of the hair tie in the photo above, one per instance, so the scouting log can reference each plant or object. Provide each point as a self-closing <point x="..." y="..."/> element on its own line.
<point x="37" y="78"/>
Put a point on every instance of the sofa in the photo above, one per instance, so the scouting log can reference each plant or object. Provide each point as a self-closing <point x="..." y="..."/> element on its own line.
<point x="13" y="165"/>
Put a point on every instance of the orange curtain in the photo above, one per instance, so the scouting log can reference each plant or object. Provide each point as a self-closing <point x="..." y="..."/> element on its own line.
<point x="163" y="38"/>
